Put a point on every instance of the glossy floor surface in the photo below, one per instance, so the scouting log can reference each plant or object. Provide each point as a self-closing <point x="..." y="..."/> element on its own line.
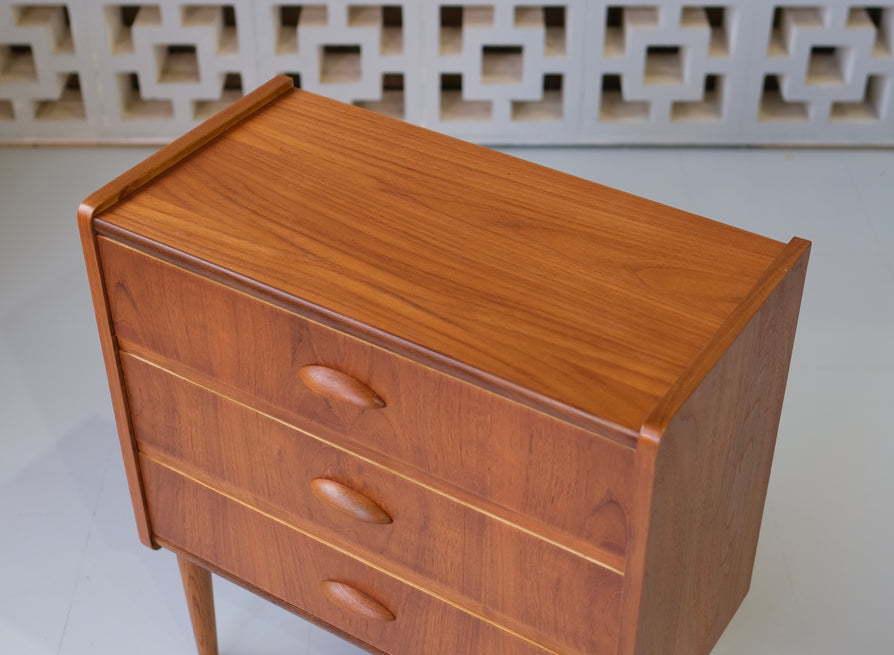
<point x="74" y="580"/>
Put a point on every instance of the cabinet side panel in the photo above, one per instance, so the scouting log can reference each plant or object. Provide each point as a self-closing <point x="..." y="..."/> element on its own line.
<point x="116" y="378"/>
<point x="710" y="482"/>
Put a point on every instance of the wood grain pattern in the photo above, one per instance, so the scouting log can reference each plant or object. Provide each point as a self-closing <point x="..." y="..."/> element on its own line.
<point x="199" y="592"/>
<point x="434" y="398"/>
<point x="499" y="572"/>
<point x="245" y="584"/>
<point x="710" y="475"/>
<point x="354" y="600"/>
<point x="500" y="451"/>
<point x="350" y="502"/>
<point x="339" y="386"/>
<point x="429" y="244"/>
<point x="269" y="555"/>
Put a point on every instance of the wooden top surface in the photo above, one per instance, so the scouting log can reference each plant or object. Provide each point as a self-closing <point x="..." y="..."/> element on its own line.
<point x="569" y="296"/>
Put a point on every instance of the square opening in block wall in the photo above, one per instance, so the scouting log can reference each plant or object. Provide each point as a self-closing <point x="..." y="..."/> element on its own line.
<point x="392" y="102"/>
<point x="501" y="64"/>
<point x="387" y="19"/>
<point x="478" y="16"/>
<point x="392" y="16"/>
<point x="69" y="106"/>
<point x="289" y="15"/>
<point x="287" y="31"/>
<point x="208" y="15"/>
<point x="231" y="91"/>
<point x="294" y="15"/>
<point x="614" y="17"/>
<point x="128" y="14"/>
<point x="614" y="32"/>
<point x="340" y="64"/>
<point x="803" y="17"/>
<point x="877" y="19"/>
<point x="219" y="17"/>
<point x="529" y="16"/>
<point x="774" y="107"/>
<point x="393" y="82"/>
<point x="716" y="20"/>
<point x="120" y="21"/>
<point x="364" y="15"/>
<point x="716" y="17"/>
<point x="867" y="110"/>
<point x="392" y="42"/>
<point x="614" y="108"/>
<point x="135" y="107"/>
<point x="883" y="20"/>
<point x="179" y="63"/>
<point x="619" y="19"/>
<point x="556" y="33"/>
<point x="551" y="20"/>
<point x="709" y="108"/>
<point x="451" y="82"/>
<point x="451" y="31"/>
<point x="453" y="19"/>
<point x="554" y="16"/>
<point x="7" y="113"/>
<point x="549" y="108"/>
<point x="664" y="65"/>
<point x="17" y="63"/>
<point x="454" y="107"/>
<point x="827" y="65"/>
<point x="53" y="18"/>
<point x="289" y="18"/>
<point x="451" y="16"/>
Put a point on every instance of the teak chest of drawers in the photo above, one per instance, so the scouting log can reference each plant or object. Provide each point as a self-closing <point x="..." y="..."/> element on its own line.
<point x="433" y="398"/>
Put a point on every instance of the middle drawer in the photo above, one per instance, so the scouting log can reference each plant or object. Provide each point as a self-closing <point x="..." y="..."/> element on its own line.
<point x="495" y="569"/>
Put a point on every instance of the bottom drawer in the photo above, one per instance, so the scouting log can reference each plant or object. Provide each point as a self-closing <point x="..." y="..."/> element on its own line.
<point x="388" y="615"/>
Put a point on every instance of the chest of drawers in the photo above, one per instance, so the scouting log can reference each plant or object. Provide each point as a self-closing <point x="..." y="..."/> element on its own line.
<point x="433" y="398"/>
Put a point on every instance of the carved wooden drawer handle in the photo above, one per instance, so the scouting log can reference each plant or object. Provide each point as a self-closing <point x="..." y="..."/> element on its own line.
<point x="348" y="501"/>
<point x="330" y="383"/>
<point x="352" y="600"/>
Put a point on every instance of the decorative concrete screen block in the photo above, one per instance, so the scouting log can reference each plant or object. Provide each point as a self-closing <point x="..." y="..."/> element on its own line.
<point x="167" y="67"/>
<point x="826" y="69"/>
<point x="669" y="71"/>
<point x="47" y="75"/>
<point x="491" y="71"/>
<point x="504" y="70"/>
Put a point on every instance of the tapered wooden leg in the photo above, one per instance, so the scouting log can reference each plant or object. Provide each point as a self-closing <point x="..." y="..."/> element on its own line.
<point x="199" y="597"/>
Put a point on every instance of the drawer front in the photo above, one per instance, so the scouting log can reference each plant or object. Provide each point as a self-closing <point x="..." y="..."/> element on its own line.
<point x="498" y="571"/>
<point x="295" y="568"/>
<point x="520" y="459"/>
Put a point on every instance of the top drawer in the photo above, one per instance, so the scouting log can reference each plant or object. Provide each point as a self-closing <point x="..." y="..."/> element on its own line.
<point x="526" y="462"/>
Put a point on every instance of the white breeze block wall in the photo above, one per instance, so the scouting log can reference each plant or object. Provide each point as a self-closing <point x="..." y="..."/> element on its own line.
<point x="491" y="71"/>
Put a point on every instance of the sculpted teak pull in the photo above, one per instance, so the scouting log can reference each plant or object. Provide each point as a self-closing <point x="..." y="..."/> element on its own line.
<point x="352" y="600"/>
<point x="334" y="384"/>
<point x="348" y="501"/>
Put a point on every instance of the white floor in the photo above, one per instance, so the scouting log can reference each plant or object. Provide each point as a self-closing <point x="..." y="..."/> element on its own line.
<point x="74" y="579"/>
